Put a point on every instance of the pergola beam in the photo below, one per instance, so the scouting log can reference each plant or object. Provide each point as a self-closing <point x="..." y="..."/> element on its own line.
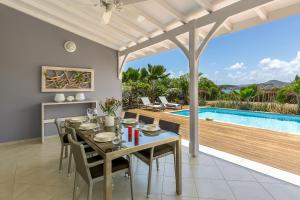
<point x="262" y="14"/>
<point x="172" y="10"/>
<point x="152" y="20"/>
<point x="223" y="13"/>
<point x="228" y="25"/>
<point x="205" y="4"/>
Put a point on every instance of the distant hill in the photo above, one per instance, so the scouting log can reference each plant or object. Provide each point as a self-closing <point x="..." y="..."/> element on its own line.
<point x="266" y="85"/>
<point x="273" y="84"/>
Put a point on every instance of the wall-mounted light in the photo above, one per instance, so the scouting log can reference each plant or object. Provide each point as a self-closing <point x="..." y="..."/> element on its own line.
<point x="70" y="46"/>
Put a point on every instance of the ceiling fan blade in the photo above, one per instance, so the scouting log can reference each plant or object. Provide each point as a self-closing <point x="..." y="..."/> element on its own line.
<point x="127" y="2"/>
<point x="106" y="17"/>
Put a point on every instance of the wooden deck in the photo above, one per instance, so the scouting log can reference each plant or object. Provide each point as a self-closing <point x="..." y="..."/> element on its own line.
<point x="275" y="149"/>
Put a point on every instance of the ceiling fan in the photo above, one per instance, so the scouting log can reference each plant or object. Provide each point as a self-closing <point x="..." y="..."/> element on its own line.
<point x="110" y="5"/>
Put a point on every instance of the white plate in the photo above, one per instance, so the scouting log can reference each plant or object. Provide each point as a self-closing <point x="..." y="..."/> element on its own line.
<point x="77" y="119"/>
<point x="129" y="121"/>
<point x="88" y="126"/>
<point x="151" y="128"/>
<point x="105" y="137"/>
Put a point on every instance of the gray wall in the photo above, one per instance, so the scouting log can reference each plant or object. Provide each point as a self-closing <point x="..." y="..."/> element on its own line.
<point x="26" y="43"/>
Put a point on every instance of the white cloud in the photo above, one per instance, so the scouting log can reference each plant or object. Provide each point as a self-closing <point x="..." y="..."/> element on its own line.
<point x="281" y="66"/>
<point x="216" y="72"/>
<point x="236" y="66"/>
<point x="267" y="69"/>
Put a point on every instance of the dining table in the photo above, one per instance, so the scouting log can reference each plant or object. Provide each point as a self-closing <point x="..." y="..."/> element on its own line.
<point x="128" y="146"/>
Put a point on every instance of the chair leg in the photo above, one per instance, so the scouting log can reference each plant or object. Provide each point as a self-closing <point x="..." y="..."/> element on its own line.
<point x="90" y="192"/>
<point x="131" y="177"/>
<point x="61" y="157"/>
<point x="66" y="151"/>
<point x="149" y="178"/>
<point x="157" y="164"/>
<point x="70" y="163"/>
<point x="174" y="163"/>
<point x="75" y="185"/>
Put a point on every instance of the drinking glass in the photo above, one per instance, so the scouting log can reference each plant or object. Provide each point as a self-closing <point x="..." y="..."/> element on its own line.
<point x="89" y="113"/>
<point x="95" y="113"/>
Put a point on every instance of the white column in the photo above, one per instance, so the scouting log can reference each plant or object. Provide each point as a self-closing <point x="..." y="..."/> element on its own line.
<point x="193" y="93"/>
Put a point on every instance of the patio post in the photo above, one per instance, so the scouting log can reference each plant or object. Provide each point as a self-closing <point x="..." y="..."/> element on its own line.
<point x="193" y="93"/>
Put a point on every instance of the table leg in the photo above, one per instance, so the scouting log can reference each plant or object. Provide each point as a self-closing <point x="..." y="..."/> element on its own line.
<point x="178" y="168"/>
<point x="107" y="179"/>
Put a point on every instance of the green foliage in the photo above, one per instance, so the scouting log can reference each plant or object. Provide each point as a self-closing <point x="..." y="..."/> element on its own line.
<point x="110" y="105"/>
<point x="131" y="75"/>
<point x="202" y="102"/>
<point x="247" y="93"/>
<point x="172" y="94"/>
<point x="209" y="87"/>
<point x="263" y="107"/>
<point x="290" y="93"/>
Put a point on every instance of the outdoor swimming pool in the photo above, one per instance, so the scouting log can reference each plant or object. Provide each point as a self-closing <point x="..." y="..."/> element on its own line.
<point x="275" y="122"/>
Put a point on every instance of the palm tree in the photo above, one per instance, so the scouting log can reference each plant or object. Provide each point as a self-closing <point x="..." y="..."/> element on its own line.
<point x="153" y="73"/>
<point x="131" y="74"/>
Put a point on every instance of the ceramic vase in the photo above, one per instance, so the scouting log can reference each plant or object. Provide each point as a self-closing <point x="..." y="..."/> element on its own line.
<point x="59" y="97"/>
<point x="70" y="98"/>
<point x="109" y="120"/>
<point x="80" y="97"/>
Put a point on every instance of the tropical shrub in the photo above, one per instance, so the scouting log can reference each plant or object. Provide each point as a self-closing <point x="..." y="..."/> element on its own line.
<point x="202" y="102"/>
<point x="263" y="107"/>
<point x="247" y="93"/>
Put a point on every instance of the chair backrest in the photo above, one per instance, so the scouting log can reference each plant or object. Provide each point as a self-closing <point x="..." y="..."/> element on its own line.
<point x="163" y="100"/>
<point x="80" y="159"/>
<point x="130" y="115"/>
<point x="145" y="101"/>
<point x="59" y="122"/>
<point x="169" y="126"/>
<point x="146" y="120"/>
<point x="71" y="131"/>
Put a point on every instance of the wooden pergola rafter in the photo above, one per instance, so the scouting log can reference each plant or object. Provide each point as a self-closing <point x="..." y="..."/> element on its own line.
<point x="196" y="46"/>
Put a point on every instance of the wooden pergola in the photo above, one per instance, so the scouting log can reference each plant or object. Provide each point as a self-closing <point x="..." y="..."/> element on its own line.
<point x="153" y="26"/>
<point x="193" y="51"/>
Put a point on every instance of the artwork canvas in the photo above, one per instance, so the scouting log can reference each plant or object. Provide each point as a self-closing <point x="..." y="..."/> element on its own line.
<point x="67" y="79"/>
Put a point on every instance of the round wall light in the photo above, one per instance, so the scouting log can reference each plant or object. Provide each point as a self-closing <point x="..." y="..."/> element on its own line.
<point x="70" y="46"/>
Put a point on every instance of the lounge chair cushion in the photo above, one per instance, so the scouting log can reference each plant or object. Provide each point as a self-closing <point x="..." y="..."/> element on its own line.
<point x="173" y="104"/>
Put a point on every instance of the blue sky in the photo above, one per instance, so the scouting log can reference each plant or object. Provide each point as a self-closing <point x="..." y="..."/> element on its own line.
<point x="258" y="54"/>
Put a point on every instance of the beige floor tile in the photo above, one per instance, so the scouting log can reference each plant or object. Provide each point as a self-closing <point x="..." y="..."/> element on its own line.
<point x="188" y="187"/>
<point x="7" y="172"/>
<point x="42" y="176"/>
<point x="34" y="192"/>
<point x="6" y="191"/>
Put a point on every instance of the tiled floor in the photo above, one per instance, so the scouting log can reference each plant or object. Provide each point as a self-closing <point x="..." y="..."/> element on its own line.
<point x="30" y="172"/>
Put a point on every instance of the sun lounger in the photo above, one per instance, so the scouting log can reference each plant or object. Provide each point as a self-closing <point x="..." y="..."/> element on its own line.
<point x="166" y="104"/>
<point x="148" y="105"/>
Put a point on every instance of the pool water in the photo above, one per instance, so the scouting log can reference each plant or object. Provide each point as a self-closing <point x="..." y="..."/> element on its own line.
<point x="271" y="121"/>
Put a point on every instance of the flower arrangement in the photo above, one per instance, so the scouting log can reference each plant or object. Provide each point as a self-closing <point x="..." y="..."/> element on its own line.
<point x="110" y="106"/>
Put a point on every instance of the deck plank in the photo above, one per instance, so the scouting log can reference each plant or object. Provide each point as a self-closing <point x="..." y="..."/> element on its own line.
<point x="279" y="150"/>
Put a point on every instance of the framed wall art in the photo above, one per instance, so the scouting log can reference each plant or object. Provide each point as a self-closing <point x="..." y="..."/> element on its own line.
<point x="67" y="79"/>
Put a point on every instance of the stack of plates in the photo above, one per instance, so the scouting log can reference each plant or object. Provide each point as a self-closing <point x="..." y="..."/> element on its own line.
<point x="129" y="121"/>
<point x="77" y="119"/>
<point x="88" y="126"/>
<point x="105" y="137"/>
<point x="151" y="128"/>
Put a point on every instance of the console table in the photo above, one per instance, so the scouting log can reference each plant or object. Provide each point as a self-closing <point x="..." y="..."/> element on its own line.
<point x="44" y="121"/>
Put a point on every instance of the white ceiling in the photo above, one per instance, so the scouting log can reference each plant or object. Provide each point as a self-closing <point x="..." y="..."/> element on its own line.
<point x="125" y="30"/>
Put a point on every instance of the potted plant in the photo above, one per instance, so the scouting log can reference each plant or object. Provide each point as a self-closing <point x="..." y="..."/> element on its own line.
<point x="109" y="107"/>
